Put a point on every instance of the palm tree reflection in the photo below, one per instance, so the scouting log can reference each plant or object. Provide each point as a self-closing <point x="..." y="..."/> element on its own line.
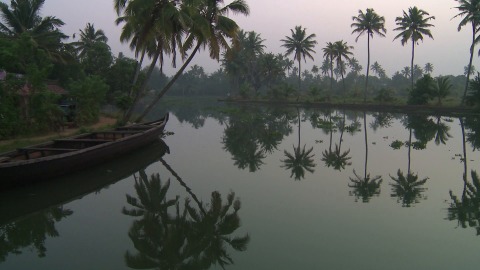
<point x="337" y="159"/>
<point x="31" y="230"/>
<point x="167" y="237"/>
<point x="466" y="210"/>
<point x="365" y="187"/>
<point x="301" y="160"/>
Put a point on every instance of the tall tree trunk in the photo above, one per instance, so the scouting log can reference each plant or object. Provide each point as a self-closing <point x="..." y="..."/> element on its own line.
<point x="366" y="143"/>
<point x="368" y="70"/>
<point x="142" y="88"/>
<point x="464" y="158"/>
<point x="472" y="48"/>
<point x="343" y="81"/>
<point x="331" y="74"/>
<point x="299" y="75"/>
<point x="137" y="71"/>
<point x="411" y="64"/>
<point x="409" y="151"/>
<point x="170" y="83"/>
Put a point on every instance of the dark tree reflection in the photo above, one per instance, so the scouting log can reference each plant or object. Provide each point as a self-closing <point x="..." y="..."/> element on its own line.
<point x="301" y="160"/>
<point x="337" y="158"/>
<point x="408" y="189"/>
<point x="466" y="210"/>
<point x="31" y="231"/>
<point x="167" y="237"/>
<point x="365" y="187"/>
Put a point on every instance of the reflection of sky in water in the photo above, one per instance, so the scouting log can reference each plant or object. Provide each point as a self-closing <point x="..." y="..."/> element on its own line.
<point x="309" y="224"/>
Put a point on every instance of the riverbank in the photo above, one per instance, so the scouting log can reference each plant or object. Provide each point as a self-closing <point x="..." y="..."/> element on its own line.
<point x="370" y="107"/>
<point x="7" y="145"/>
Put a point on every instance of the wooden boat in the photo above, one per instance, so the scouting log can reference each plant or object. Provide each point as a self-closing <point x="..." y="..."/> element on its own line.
<point x="20" y="202"/>
<point x="62" y="156"/>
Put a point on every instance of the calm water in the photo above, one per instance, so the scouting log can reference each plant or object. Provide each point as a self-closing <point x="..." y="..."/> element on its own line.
<point x="259" y="188"/>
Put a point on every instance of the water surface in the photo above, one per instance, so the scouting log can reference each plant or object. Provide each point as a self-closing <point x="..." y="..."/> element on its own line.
<point x="308" y="189"/>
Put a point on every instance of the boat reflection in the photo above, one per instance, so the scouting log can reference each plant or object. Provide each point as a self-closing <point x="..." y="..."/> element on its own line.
<point x="28" y="215"/>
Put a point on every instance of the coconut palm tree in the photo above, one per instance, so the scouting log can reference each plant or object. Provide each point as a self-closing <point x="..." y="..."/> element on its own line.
<point x="89" y="36"/>
<point x="413" y="26"/>
<point x="369" y="23"/>
<point x="428" y="68"/>
<point x="376" y="68"/>
<point x="329" y="55"/>
<point x="442" y="88"/>
<point x="210" y="28"/>
<point x="301" y="46"/>
<point x="342" y="51"/>
<point x="23" y="19"/>
<point x="469" y="10"/>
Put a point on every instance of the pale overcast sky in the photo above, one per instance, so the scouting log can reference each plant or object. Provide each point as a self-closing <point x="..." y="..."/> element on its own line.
<point x="329" y="20"/>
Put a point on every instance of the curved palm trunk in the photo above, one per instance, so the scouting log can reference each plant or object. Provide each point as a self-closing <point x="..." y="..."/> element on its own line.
<point x="368" y="70"/>
<point x="137" y="70"/>
<point x="472" y="48"/>
<point x="183" y="184"/>
<point x="170" y="83"/>
<point x="142" y="88"/>
<point x="411" y="64"/>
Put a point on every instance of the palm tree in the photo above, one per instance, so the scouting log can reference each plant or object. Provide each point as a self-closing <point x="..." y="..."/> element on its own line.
<point x="376" y="68"/>
<point x="210" y="28"/>
<point x="89" y="36"/>
<point x="413" y="26"/>
<point x="24" y="19"/>
<point x="329" y="55"/>
<point x="428" y="68"/>
<point x="469" y="10"/>
<point x="368" y="23"/>
<point x="342" y="50"/>
<point x="301" y="46"/>
<point x="407" y="72"/>
<point x="442" y="88"/>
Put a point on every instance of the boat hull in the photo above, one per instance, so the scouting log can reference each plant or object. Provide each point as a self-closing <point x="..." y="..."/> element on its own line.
<point x="40" y="169"/>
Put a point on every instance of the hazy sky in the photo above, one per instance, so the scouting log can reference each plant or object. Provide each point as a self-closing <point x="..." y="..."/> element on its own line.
<point x="329" y="20"/>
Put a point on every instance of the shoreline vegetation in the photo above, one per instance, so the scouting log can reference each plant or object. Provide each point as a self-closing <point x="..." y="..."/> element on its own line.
<point x="373" y="107"/>
<point x="105" y="122"/>
<point x="35" y="51"/>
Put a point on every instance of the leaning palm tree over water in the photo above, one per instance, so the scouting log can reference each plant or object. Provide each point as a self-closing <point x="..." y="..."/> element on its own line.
<point x="368" y="23"/>
<point x="342" y="51"/>
<point x="301" y="45"/>
<point x="413" y="26"/>
<point x="469" y="10"/>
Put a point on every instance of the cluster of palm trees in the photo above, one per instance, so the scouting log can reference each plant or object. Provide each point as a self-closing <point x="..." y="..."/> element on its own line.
<point x="160" y="28"/>
<point x="412" y="26"/>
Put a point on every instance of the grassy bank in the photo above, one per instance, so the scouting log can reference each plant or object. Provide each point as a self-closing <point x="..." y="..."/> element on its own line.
<point x="105" y="122"/>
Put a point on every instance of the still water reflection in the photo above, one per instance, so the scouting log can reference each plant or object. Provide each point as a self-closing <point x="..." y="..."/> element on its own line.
<point x="319" y="189"/>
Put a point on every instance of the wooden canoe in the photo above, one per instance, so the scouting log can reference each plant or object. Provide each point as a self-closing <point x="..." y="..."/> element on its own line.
<point x="62" y="156"/>
<point x="20" y="202"/>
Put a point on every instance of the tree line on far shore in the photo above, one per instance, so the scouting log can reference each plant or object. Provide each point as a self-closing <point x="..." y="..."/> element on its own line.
<point x="34" y="50"/>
